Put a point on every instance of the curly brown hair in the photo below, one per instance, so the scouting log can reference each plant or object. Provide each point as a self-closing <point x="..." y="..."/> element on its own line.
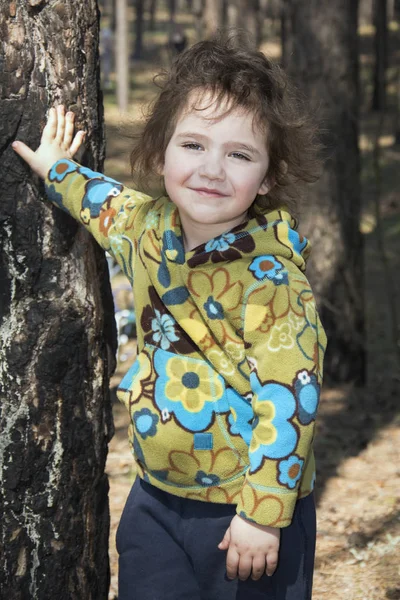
<point x="228" y="67"/>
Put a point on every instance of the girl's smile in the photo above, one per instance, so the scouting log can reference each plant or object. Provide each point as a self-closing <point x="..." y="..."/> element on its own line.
<point x="215" y="165"/>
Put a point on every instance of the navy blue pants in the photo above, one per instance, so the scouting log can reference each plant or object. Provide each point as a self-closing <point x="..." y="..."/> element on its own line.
<point x="168" y="551"/>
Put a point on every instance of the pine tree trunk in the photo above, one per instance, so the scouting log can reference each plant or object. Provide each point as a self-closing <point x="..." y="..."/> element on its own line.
<point x="396" y="10"/>
<point x="198" y="10"/>
<point x="213" y="17"/>
<point x="122" y="54"/>
<point x="247" y="15"/>
<point x="381" y="54"/>
<point x="139" y="25"/>
<point x="152" y="14"/>
<point x="57" y="339"/>
<point x="321" y="41"/>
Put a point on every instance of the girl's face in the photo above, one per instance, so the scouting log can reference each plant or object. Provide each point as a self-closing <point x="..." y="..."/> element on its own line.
<point x="215" y="165"/>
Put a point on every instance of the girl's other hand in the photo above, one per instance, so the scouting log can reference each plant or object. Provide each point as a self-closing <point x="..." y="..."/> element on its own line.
<point x="252" y="549"/>
<point x="58" y="141"/>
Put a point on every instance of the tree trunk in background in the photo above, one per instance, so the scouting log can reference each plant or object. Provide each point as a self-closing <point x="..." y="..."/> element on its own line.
<point x="246" y="14"/>
<point x="152" y="14"/>
<point x="213" y="14"/>
<point x="198" y="18"/>
<point x="321" y="40"/>
<point x="381" y="54"/>
<point x="56" y="338"/>
<point x="396" y="13"/>
<point x="172" y="9"/>
<point x="107" y="10"/>
<point x="286" y="33"/>
<point x="122" y="55"/>
<point x="139" y="25"/>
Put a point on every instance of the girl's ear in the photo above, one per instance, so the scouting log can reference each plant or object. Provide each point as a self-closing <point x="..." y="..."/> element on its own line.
<point x="268" y="183"/>
<point x="265" y="186"/>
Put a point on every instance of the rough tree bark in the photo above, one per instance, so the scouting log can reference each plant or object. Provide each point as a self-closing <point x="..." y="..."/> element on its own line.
<point x="322" y="56"/>
<point x="56" y="350"/>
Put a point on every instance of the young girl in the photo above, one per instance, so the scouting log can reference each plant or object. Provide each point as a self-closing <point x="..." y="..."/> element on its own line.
<point x="224" y="392"/>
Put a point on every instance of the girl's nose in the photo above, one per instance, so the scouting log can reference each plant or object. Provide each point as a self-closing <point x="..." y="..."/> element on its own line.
<point x="212" y="167"/>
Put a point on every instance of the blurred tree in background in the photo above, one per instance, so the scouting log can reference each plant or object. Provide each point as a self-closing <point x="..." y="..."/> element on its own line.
<point x="321" y="55"/>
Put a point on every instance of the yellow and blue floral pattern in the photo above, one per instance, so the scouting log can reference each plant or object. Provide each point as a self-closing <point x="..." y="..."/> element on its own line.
<point x="189" y="389"/>
<point x="224" y="392"/>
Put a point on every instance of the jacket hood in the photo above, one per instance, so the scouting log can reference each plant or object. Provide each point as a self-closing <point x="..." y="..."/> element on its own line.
<point x="272" y="234"/>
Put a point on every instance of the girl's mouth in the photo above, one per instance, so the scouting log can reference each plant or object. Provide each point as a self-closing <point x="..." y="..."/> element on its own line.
<point x="209" y="192"/>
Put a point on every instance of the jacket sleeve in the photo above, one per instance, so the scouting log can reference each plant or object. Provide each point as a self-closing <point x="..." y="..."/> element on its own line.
<point x="112" y="213"/>
<point x="285" y="346"/>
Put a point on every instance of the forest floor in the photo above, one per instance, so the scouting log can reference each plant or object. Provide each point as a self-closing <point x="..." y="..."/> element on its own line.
<point x="358" y="435"/>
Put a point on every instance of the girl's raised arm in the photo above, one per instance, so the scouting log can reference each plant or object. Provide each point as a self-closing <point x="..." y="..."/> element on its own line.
<point x="112" y="213"/>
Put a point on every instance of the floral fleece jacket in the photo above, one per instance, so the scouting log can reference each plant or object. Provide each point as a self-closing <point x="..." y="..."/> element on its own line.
<point x="224" y="391"/>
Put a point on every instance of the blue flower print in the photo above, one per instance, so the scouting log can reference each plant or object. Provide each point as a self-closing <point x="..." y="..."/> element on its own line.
<point x="89" y="174"/>
<point x="213" y="309"/>
<point x="55" y="197"/>
<point x="207" y="480"/>
<point x="173" y="247"/>
<point x="172" y="250"/>
<point x="145" y="422"/>
<point x="177" y="295"/>
<point x="281" y="278"/>
<point x="298" y="241"/>
<point x="163" y="274"/>
<point x="307" y="390"/>
<point x="161" y="475"/>
<point x="97" y="192"/>
<point x="267" y="266"/>
<point x="220" y="243"/>
<point x="274" y="436"/>
<point x="241" y="415"/>
<point x="61" y="169"/>
<point x="189" y="389"/>
<point x="130" y="375"/>
<point x="163" y="327"/>
<point x="290" y="471"/>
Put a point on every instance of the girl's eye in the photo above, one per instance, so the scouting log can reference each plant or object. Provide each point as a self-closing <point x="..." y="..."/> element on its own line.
<point x="192" y="146"/>
<point x="240" y="156"/>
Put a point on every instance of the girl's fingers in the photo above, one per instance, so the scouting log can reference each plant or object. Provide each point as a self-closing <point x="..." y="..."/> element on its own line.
<point x="272" y="563"/>
<point x="25" y="152"/>
<point x="244" y="567"/>
<point x="50" y="130"/>
<point x="232" y="563"/>
<point x="60" y="124"/>
<point x="77" y="143"/>
<point x="69" y="129"/>
<point x="224" y="543"/>
<point x="258" y="567"/>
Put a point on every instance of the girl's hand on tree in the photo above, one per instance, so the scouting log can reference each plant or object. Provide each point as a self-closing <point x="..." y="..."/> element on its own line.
<point x="58" y="141"/>
<point x="252" y="549"/>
